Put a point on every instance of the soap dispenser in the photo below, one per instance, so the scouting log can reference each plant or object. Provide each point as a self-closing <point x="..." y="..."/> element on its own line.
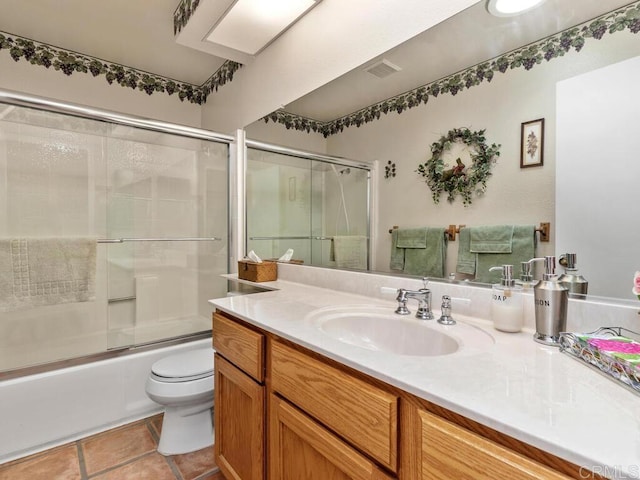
<point x="551" y="299"/>
<point x="574" y="282"/>
<point x="526" y="277"/>
<point x="506" y="302"/>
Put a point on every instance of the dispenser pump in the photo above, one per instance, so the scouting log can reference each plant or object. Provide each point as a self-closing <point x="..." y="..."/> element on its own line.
<point x="507" y="275"/>
<point x="525" y="269"/>
<point x="571" y="279"/>
<point x="549" y="268"/>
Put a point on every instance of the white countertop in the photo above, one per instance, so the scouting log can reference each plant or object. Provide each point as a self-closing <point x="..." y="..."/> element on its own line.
<point x="523" y="389"/>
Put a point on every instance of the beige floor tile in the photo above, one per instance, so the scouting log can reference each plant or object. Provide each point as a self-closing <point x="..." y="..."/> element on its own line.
<point x="116" y="447"/>
<point x="194" y="464"/>
<point x="59" y="463"/>
<point x="149" y="467"/>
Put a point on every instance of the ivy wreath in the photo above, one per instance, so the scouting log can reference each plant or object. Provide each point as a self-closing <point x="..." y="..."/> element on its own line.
<point x="460" y="179"/>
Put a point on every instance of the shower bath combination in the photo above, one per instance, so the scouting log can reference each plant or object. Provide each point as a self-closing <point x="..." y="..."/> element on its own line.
<point x="117" y="203"/>
<point x="309" y="201"/>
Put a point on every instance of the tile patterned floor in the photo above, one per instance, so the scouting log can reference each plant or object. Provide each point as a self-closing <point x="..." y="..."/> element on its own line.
<point x="124" y="453"/>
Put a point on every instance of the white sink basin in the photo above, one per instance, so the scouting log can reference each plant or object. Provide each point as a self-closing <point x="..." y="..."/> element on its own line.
<point x="378" y="328"/>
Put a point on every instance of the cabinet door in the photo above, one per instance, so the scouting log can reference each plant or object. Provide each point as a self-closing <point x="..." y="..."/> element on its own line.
<point x="239" y="423"/>
<point x="300" y="448"/>
<point x="449" y="451"/>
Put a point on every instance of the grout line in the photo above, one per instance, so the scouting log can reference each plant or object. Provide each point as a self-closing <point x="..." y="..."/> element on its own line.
<point x="207" y="473"/>
<point x="174" y="468"/>
<point x="81" y="462"/>
<point x="119" y="465"/>
<point x="152" y="429"/>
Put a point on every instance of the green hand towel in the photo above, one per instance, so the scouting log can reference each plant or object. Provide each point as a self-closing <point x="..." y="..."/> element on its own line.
<point x="412" y="238"/>
<point x="491" y="239"/>
<point x="524" y="241"/>
<point x="429" y="261"/>
<point x="466" y="260"/>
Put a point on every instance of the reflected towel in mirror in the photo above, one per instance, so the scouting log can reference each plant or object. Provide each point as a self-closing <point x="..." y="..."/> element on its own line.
<point x="350" y="251"/>
<point x="419" y="251"/>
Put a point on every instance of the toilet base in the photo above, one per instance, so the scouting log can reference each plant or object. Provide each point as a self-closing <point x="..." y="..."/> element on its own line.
<point x="185" y="430"/>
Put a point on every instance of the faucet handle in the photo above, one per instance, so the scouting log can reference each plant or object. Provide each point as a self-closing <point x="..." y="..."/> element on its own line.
<point x="402" y="302"/>
<point x="445" y="317"/>
<point x="425" y="282"/>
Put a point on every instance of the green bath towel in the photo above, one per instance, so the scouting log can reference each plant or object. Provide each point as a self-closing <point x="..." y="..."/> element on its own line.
<point x="397" y="254"/>
<point x="523" y="250"/>
<point x="466" y="260"/>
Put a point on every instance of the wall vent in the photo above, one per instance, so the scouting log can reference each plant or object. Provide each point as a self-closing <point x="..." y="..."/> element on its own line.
<point x="382" y="69"/>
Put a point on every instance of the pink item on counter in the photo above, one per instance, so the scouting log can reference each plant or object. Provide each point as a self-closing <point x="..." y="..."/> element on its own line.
<point x="620" y="346"/>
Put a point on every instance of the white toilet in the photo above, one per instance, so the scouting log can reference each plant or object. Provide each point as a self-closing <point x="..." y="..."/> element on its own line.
<point x="184" y="384"/>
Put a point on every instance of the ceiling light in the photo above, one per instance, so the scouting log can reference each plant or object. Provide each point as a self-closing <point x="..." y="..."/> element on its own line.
<point x="250" y="25"/>
<point x="509" y="8"/>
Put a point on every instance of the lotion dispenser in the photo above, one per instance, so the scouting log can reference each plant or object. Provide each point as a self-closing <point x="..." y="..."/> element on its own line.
<point x="571" y="279"/>
<point x="506" y="302"/>
<point x="551" y="299"/>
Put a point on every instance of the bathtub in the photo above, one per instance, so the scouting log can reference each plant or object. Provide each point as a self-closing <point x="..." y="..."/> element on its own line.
<point x="45" y="410"/>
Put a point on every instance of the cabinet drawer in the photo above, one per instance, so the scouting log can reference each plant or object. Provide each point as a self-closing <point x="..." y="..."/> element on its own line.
<point x="449" y="451"/>
<point x="240" y="345"/>
<point x="364" y="415"/>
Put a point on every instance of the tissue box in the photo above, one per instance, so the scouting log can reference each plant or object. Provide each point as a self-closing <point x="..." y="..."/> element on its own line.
<point x="257" y="272"/>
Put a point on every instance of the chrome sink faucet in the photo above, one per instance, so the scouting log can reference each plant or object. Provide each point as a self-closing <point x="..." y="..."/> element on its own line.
<point x="424" y="302"/>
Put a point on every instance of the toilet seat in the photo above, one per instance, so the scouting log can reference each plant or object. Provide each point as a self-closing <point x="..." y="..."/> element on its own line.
<point x="184" y="367"/>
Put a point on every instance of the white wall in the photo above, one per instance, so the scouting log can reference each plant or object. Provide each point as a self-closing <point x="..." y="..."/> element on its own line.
<point x="514" y="195"/>
<point x="598" y="172"/>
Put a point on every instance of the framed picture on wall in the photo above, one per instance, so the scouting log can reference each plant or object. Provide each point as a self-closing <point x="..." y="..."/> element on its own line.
<point x="532" y="143"/>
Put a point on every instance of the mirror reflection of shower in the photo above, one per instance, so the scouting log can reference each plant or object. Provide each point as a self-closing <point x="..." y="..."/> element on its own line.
<point x="307" y="204"/>
<point x="343" y="204"/>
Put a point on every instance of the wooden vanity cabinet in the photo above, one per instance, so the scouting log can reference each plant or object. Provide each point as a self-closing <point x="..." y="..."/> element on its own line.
<point x="239" y="399"/>
<point x="293" y="414"/>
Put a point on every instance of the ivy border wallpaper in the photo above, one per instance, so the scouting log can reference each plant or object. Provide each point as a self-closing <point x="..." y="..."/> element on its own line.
<point x="69" y="62"/>
<point x="552" y="47"/>
<point x="527" y="57"/>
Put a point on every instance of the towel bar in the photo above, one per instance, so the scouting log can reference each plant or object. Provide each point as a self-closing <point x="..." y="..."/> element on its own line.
<point x="449" y="232"/>
<point x="292" y="238"/>
<point x="182" y="239"/>
<point x="544" y="230"/>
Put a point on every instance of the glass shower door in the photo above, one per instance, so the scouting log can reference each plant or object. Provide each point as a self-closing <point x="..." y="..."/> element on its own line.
<point x="167" y="201"/>
<point x="307" y="205"/>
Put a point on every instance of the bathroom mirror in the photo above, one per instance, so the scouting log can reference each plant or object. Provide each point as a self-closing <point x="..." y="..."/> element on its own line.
<point x="515" y="195"/>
